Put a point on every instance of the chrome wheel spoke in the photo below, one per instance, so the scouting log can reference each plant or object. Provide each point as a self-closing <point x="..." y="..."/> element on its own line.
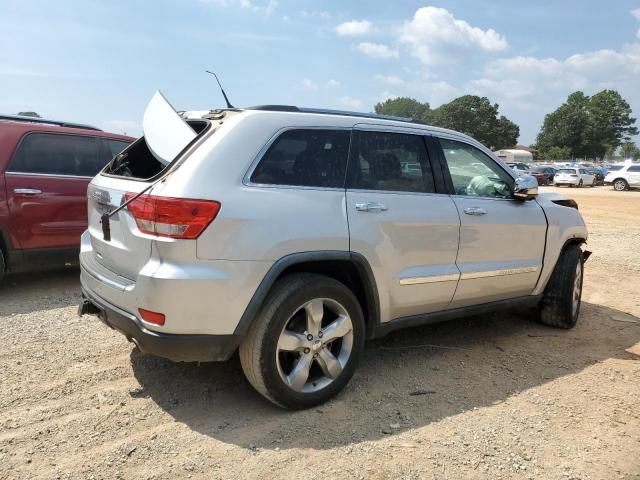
<point x="329" y="364"/>
<point x="300" y="373"/>
<point x="291" y="341"/>
<point x="337" y="329"/>
<point x="315" y="311"/>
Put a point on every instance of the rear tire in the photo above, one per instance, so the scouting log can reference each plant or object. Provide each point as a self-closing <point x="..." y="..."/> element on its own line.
<point x="620" y="185"/>
<point x="560" y="304"/>
<point x="305" y="343"/>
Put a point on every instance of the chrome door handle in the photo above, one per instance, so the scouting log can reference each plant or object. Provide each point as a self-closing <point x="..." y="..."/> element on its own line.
<point x="475" y="211"/>
<point x="370" y="207"/>
<point x="27" y="191"/>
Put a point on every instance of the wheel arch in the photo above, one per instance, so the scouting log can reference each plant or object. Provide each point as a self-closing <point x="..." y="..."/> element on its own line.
<point x="349" y="268"/>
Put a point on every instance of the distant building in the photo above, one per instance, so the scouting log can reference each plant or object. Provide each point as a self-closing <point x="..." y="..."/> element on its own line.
<point x="515" y="155"/>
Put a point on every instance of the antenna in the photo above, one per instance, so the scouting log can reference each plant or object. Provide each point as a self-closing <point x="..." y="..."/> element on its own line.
<point x="221" y="89"/>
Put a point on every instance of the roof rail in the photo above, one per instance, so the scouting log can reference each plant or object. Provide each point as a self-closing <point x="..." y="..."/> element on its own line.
<point x="24" y="118"/>
<point x="291" y="108"/>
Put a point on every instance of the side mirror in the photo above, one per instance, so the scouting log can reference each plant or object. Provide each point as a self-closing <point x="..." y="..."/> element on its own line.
<point x="526" y="187"/>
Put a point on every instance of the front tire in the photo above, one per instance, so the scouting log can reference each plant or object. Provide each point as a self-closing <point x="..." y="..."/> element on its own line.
<point x="560" y="304"/>
<point x="305" y="343"/>
<point x="620" y="185"/>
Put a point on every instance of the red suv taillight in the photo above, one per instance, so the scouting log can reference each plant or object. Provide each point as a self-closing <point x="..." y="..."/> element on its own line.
<point x="172" y="217"/>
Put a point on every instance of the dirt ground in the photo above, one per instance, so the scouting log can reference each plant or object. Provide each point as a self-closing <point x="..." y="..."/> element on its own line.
<point x="494" y="396"/>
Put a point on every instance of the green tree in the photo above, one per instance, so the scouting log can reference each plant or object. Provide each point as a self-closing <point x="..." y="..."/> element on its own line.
<point x="609" y="123"/>
<point x="29" y="114"/>
<point x="478" y="118"/>
<point x="565" y="126"/>
<point x="629" y="150"/>
<point x="588" y="126"/>
<point x="555" y="153"/>
<point x="404" y="107"/>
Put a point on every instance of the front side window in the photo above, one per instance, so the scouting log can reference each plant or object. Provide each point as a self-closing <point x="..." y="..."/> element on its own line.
<point x="56" y="154"/>
<point x="473" y="173"/>
<point x="305" y="157"/>
<point x="393" y="162"/>
<point x="634" y="168"/>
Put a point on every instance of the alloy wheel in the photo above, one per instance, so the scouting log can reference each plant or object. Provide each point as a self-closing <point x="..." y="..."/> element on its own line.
<point x="314" y="345"/>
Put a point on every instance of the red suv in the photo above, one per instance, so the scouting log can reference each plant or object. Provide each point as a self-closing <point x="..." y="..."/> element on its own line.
<point x="45" y="168"/>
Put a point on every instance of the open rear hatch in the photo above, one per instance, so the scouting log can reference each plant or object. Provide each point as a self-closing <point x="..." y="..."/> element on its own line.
<point x="126" y="249"/>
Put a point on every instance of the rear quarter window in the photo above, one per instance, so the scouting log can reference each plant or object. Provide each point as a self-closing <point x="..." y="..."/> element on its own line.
<point x="305" y="157"/>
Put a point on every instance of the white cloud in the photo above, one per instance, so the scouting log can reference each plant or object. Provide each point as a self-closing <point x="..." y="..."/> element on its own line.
<point x="376" y="50"/>
<point x="331" y="83"/>
<point x="258" y="7"/>
<point x="354" y="28"/>
<point x="434" y="34"/>
<point x="389" y="79"/>
<point x="636" y="13"/>
<point x="309" y="84"/>
<point x="351" y="103"/>
<point x="536" y="86"/>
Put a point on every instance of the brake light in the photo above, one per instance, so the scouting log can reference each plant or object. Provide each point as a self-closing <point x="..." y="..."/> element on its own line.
<point x="172" y="217"/>
<point x="151" y="317"/>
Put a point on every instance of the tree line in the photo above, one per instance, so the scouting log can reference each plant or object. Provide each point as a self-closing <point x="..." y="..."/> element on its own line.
<point x="582" y="127"/>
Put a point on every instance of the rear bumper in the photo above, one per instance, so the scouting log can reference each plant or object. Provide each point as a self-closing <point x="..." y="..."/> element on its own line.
<point x="176" y="347"/>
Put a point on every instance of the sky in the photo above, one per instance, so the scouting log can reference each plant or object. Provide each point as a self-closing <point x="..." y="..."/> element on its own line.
<point x="99" y="62"/>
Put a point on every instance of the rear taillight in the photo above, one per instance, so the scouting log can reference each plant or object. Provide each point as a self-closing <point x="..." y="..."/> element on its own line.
<point x="172" y="217"/>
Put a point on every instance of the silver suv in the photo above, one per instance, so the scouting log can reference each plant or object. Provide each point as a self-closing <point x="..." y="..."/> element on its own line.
<point x="293" y="235"/>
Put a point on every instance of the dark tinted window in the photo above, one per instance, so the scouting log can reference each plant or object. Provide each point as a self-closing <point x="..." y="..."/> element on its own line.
<point x="57" y="154"/>
<point x="312" y="158"/>
<point x="390" y="161"/>
<point x="115" y="146"/>
<point x="635" y="168"/>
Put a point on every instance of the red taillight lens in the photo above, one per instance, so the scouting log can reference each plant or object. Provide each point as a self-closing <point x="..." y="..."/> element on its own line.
<point x="172" y="217"/>
<point x="151" y="317"/>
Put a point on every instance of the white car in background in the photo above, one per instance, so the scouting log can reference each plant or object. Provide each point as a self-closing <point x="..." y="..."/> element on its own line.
<point x="574" y="177"/>
<point x="624" y="178"/>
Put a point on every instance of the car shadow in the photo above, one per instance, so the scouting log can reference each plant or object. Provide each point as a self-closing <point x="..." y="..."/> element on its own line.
<point x="37" y="291"/>
<point x="406" y="380"/>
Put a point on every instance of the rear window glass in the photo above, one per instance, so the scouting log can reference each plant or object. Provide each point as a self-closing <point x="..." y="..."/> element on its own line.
<point x="305" y="157"/>
<point x="57" y="154"/>
<point x="566" y="170"/>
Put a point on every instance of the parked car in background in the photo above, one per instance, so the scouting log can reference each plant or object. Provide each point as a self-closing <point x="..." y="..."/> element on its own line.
<point x="574" y="177"/>
<point x="628" y="176"/>
<point x="546" y="174"/>
<point x="518" y="166"/>
<point x="45" y="168"/>
<point x="326" y="229"/>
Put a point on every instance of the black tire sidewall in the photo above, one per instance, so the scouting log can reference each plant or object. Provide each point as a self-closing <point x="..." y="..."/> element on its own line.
<point x="277" y="389"/>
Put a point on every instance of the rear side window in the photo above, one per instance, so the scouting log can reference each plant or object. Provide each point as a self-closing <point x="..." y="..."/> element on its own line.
<point x="393" y="162"/>
<point x="305" y="157"/>
<point x="56" y="154"/>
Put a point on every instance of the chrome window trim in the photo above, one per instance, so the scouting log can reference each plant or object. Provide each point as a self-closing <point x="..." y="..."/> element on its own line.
<point x="246" y="179"/>
<point x="48" y="175"/>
